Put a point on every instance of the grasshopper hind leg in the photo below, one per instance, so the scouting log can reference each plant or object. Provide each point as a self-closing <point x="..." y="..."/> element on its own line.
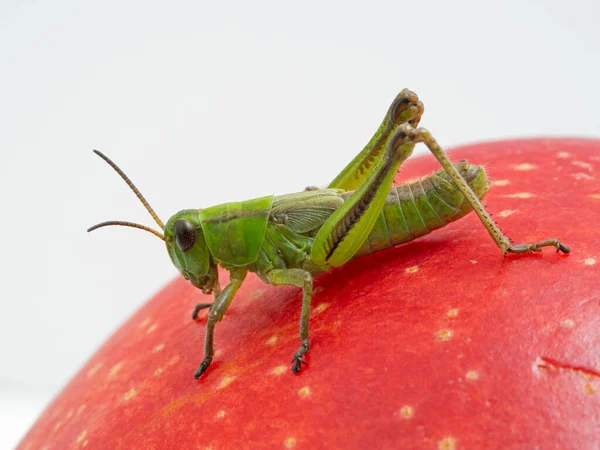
<point x="423" y="135"/>
<point x="405" y="109"/>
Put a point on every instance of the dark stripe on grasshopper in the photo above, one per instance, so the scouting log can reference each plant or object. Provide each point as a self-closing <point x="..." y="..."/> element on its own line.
<point x="415" y="209"/>
<point x="234" y="215"/>
<point x="340" y="232"/>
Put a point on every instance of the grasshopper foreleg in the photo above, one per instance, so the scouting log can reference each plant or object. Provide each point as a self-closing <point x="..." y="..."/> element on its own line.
<point x="199" y="307"/>
<point x="423" y="135"/>
<point x="217" y="311"/>
<point x="211" y="285"/>
<point x="302" y="279"/>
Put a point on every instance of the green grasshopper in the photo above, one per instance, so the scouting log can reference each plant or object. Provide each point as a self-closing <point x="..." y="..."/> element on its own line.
<point x="289" y="239"/>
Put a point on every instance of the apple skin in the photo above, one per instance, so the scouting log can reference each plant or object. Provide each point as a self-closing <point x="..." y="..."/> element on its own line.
<point x="441" y="343"/>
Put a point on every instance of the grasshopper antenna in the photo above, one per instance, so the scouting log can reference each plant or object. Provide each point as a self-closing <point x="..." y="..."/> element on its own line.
<point x="132" y="186"/>
<point x="139" y="196"/>
<point x="127" y="224"/>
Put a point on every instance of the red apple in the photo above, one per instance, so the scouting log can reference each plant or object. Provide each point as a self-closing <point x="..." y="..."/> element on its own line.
<point x="441" y="343"/>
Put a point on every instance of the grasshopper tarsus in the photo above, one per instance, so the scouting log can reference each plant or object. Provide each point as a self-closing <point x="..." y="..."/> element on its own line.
<point x="199" y="307"/>
<point x="297" y="363"/>
<point x="537" y="247"/>
<point x="297" y="360"/>
<point x="202" y="367"/>
<point x="523" y="248"/>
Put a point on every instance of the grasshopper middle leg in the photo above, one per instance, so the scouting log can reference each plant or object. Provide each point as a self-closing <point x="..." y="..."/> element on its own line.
<point x="302" y="279"/>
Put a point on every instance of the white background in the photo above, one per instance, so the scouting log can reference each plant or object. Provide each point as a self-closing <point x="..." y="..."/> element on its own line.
<point x="207" y="102"/>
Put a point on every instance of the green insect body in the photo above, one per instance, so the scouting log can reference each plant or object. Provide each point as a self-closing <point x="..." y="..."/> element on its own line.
<point x="289" y="239"/>
<point x="416" y="209"/>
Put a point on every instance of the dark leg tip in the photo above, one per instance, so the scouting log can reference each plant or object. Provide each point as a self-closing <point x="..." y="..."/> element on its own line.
<point x="202" y="368"/>
<point x="297" y="364"/>
<point x="563" y="248"/>
<point x="297" y="360"/>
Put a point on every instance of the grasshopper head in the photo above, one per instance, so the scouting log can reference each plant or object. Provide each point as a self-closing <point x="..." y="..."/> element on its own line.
<point x="187" y="248"/>
<point x="183" y="235"/>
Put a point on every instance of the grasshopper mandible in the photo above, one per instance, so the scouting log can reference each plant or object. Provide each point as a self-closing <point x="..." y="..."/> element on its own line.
<point x="289" y="239"/>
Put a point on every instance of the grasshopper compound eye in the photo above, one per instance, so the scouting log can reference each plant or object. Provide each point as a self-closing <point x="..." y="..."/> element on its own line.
<point x="185" y="234"/>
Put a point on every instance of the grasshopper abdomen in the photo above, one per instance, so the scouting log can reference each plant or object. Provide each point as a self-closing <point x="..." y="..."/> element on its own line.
<point x="419" y="207"/>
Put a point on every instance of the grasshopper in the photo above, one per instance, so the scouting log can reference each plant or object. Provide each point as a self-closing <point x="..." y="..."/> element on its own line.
<point x="289" y="239"/>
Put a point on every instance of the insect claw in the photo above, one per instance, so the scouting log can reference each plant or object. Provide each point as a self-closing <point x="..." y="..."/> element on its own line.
<point x="297" y="363"/>
<point x="202" y="367"/>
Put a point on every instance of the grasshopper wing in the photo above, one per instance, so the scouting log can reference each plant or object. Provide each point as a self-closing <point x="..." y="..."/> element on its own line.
<point x="306" y="211"/>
